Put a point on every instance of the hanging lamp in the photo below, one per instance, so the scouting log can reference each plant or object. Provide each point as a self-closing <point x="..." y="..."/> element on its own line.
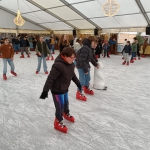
<point x="110" y="8"/>
<point x="19" y="21"/>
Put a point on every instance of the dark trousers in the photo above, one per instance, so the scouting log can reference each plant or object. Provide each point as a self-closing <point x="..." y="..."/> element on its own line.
<point x="106" y="52"/>
<point x="133" y="55"/>
<point x="138" y="53"/>
<point x="61" y="105"/>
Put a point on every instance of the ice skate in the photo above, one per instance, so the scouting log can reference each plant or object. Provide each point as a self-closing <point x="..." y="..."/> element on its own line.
<point x="37" y="72"/>
<point x="128" y="63"/>
<point x="4" y="77"/>
<point x="46" y="72"/>
<point x="48" y="58"/>
<point x="52" y="58"/>
<point x="88" y="91"/>
<point x="122" y="57"/>
<point x="28" y="56"/>
<point x="80" y="96"/>
<point x="139" y="58"/>
<point x="124" y="63"/>
<point x="59" y="126"/>
<point x="68" y="117"/>
<point x="22" y="56"/>
<point x="12" y="72"/>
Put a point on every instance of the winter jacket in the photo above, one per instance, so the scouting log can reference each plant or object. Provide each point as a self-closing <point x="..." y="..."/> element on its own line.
<point x="16" y="41"/>
<point x="7" y="51"/>
<point x="60" y="77"/>
<point x="127" y="49"/>
<point x="106" y="47"/>
<point x="84" y="56"/>
<point x="42" y="48"/>
<point x="48" y="43"/>
<point x="24" y="43"/>
<point x="134" y="47"/>
<point x="111" y="42"/>
<point x="63" y="45"/>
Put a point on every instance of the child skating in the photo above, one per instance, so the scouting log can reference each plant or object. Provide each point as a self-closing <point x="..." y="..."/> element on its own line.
<point x="127" y="51"/>
<point x="58" y="82"/>
<point x="8" y="55"/>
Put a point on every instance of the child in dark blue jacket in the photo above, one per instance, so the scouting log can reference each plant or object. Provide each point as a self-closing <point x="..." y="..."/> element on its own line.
<point x="127" y="51"/>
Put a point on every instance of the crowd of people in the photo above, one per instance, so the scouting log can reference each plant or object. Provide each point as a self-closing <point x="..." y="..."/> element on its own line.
<point x="77" y="54"/>
<point x="133" y="50"/>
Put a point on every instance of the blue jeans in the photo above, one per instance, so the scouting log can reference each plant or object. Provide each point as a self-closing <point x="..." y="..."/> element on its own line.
<point x="52" y="48"/>
<point x="84" y="78"/>
<point x="10" y="62"/>
<point x="133" y="55"/>
<point x="16" y="47"/>
<point x="61" y="105"/>
<point x="44" y="63"/>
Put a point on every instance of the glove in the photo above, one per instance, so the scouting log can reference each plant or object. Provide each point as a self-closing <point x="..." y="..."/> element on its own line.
<point x="79" y="86"/>
<point x="44" y="95"/>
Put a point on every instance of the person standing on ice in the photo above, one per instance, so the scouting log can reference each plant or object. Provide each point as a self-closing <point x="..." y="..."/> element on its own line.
<point x="42" y="52"/>
<point x="58" y="82"/>
<point x="134" y="50"/>
<point x="124" y="44"/>
<point x="8" y="55"/>
<point x="127" y="51"/>
<point x="24" y="44"/>
<point x="84" y="57"/>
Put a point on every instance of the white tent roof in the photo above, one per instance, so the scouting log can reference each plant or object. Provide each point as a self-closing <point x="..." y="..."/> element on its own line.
<point x="78" y="14"/>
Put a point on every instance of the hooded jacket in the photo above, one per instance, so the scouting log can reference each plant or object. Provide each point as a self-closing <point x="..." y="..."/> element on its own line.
<point x="84" y="56"/>
<point x="60" y="77"/>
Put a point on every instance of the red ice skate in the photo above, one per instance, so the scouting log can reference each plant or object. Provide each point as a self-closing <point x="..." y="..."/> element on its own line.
<point x="128" y="63"/>
<point x="37" y="72"/>
<point x="134" y="58"/>
<point x="80" y="96"/>
<point x="22" y="56"/>
<point x="46" y="72"/>
<point x="122" y="57"/>
<point x="59" y="126"/>
<point x="124" y="63"/>
<point x="48" y="58"/>
<point x="16" y="52"/>
<point x="88" y="91"/>
<point x="139" y="58"/>
<point x="12" y="72"/>
<point x="68" y="117"/>
<point x="4" y="77"/>
<point x="28" y="56"/>
<point x="131" y="61"/>
<point x="52" y="58"/>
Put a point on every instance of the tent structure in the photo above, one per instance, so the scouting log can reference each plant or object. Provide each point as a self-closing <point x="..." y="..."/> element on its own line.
<point x="74" y="14"/>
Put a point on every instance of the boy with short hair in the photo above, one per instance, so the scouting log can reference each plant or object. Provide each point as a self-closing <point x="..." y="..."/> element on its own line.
<point x="8" y="55"/>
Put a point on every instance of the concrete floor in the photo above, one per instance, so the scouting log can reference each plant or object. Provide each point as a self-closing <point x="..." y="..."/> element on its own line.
<point x="116" y="119"/>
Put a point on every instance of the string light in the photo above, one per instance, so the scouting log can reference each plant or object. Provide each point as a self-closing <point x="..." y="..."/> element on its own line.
<point x="110" y="8"/>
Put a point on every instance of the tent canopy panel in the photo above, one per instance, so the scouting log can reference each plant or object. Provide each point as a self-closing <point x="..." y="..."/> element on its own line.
<point x="49" y="3"/>
<point x="42" y="16"/>
<point x="146" y="5"/>
<point x="131" y="20"/>
<point x="8" y="22"/>
<point x="82" y="24"/>
<point x="24" y="6"/>
<point x="57" y="26"/>
<point x="107" y="22"/>
<point x="66" y="13"/>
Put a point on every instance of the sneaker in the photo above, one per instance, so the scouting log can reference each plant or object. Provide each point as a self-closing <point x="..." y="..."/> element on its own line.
<point x="46" y="72"/>
<point x="37" y="72"/>
<point x="80" y="96"/>
<point x="88" y="91"/>
<point x="59" y="126"/>
<point x="4" y="77"/>
<point x="12" y="72"/>
<point x="68" y="117"/>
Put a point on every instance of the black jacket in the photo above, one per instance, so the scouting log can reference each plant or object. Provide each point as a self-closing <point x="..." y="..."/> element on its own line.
<point x="60" y="77"/>
<point x="127" y="49"/>
<point x="24" y="43"/>
<point x="84" y="56"/>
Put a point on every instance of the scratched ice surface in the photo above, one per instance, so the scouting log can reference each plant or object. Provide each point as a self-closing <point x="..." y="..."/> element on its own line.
<point x="116" y="119"/>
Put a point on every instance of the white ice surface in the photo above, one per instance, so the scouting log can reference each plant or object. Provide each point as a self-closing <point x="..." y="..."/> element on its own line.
<point x="116" y="119"/>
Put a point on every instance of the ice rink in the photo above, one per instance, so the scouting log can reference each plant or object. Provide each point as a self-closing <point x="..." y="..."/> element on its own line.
<point x="116" y="119"/>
